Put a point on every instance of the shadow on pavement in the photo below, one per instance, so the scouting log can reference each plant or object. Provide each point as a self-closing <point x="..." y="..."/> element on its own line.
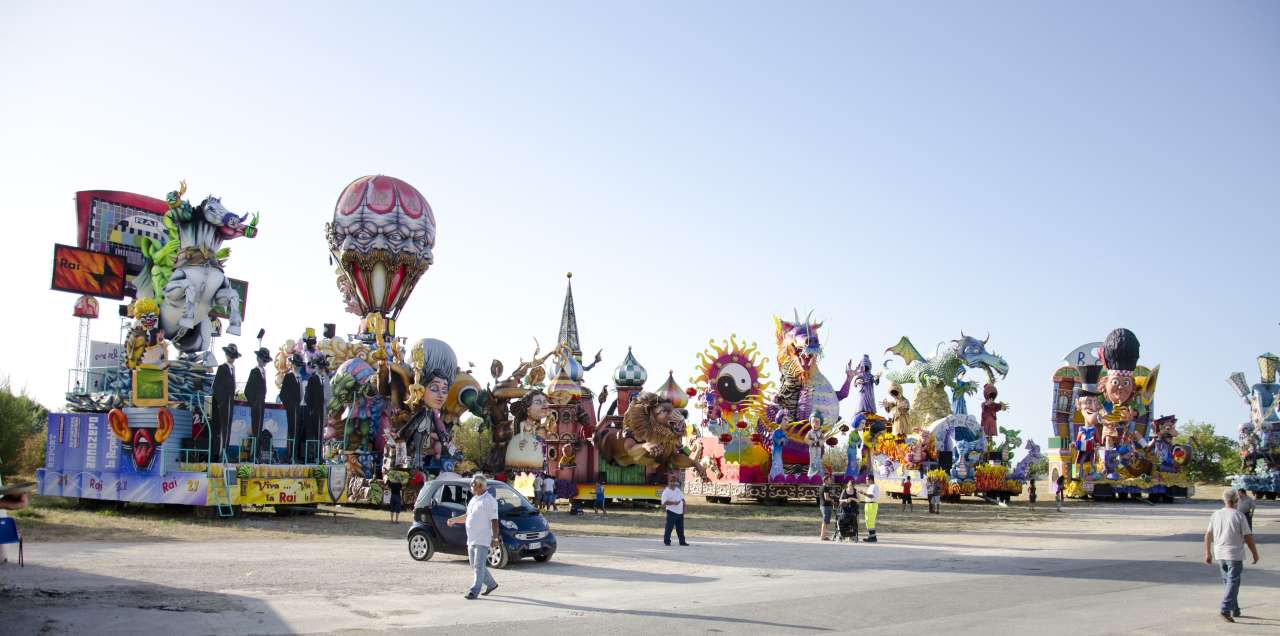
<point x="746" y="623"/>
<point x="45" y="600"/>
<point x="836" y="558"/>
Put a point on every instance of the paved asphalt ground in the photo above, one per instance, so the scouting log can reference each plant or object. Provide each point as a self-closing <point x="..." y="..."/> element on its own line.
<point x="1127" y="568"/>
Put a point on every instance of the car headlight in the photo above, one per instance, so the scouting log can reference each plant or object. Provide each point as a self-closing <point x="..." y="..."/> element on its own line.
<point x="510" y="525"/>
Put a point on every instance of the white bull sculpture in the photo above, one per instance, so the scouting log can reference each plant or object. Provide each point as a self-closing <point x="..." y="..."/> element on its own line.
<point x="188" y="273"/>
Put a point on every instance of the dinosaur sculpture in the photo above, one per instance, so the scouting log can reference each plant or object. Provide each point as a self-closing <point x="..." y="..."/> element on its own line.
<point x="185" y="273"/>
<point x="942" y="371"/>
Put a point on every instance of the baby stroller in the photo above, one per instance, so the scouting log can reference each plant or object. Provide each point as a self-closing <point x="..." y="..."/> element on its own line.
<point x="847" y="520"/>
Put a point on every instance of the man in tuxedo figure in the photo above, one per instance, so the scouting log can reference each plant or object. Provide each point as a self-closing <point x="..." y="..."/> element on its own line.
<point x="291" y="399"/>
<point x="255" y="392"/>
<point x="313" y="404"/>
<point x="224" y="395"/>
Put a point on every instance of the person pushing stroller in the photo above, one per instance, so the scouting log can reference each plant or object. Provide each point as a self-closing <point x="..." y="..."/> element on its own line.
<point x="847" y="515"/>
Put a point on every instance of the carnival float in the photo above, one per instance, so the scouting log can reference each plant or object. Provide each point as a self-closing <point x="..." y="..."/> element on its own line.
<point x="1106" y="441"/>
<point x="1260" y="436"/>
<point x="774" y="444"/>
<point x="350" y="413"/>
<point x="161" y="416"/>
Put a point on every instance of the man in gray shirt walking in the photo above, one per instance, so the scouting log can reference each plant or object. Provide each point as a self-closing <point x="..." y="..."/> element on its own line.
<point x="1224" y="542"/>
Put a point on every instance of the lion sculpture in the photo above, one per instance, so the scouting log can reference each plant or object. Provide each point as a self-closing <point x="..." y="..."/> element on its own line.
<point x="650" y="436"/>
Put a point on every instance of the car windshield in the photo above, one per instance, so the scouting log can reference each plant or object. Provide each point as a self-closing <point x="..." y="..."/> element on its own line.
<point x="511" y="503"/>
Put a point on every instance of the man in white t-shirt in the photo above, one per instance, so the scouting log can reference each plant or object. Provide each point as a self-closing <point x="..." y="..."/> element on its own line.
<point x="537" y="490"/>
<point x="1224" y="542"/>
<point x="673" y="499"/>
<point x="872" y="506"/>
<point x="549" y="488"/>
<point x="482" y="535"/>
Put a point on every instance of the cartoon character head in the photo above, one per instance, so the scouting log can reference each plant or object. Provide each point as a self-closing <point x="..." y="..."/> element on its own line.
<point x="1090" y="407"/>
<point x="141" y="444"/>
<point x="1120" y="357"/>
<point x="1166" y="427"/>
<point x="437" y="391"/>
<point x="798" y="346"/>
<point x="147" y="313"/>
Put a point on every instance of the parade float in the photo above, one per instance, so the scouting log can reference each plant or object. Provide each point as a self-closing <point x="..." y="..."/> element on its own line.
<point x="1106" y="441"/>
<point x="773" y="447"/>
<point x="1260" y="436"/>
<point x="351" y="413"/>
<point x="932" y="437"/>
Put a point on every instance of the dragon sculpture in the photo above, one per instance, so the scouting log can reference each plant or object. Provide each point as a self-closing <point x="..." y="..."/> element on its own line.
<point x="803" y="390"/>
<point x="943" y="371"/>
<point x="185" y="273"/>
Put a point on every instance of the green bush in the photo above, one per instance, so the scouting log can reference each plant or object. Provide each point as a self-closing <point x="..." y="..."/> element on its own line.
<point x="1213" y="456"/>
<point x="22" y="419"/>
<point x="474" y="443"/>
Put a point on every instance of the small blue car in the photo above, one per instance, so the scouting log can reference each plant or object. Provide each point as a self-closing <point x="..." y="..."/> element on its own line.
<point x="525" y="532"/>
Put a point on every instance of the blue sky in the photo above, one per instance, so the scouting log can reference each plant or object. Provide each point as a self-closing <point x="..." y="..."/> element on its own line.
<point x="1043" y="172"/>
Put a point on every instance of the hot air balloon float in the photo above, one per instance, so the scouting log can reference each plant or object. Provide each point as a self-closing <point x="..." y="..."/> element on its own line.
<point x="390" y="415"/>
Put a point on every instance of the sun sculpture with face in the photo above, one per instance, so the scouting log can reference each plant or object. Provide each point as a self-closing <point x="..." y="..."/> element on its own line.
<point x="732" y="378"/>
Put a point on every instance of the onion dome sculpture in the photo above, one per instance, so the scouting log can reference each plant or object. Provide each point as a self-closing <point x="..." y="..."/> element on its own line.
<point x="630" y="373"/>
<point x="671" y="392"/>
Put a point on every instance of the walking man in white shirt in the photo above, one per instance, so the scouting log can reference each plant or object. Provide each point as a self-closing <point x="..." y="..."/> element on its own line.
<point x="673" y="499"/>
<point x="1224" y="541"/>
<point x="482" y="535"/>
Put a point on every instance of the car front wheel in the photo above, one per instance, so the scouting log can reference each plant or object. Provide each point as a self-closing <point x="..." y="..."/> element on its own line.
<point x="499" y="557"/>
<point x="420" y="546"/>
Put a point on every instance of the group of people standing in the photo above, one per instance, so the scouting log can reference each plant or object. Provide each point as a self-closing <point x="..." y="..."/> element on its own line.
<point x="544" y="492"/>
<point x="842" y="506"/>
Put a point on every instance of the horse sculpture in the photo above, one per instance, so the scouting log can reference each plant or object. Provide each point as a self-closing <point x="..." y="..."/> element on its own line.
<point x="186" y="273"/>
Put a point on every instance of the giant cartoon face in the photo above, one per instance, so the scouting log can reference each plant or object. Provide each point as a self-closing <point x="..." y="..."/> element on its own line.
<point x="1118" y="387"/>
<point x="437" y="391"/>
<point x="1090" y="408"/>
<point x="383" y="233"/>
<point x="537" y="407"/>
